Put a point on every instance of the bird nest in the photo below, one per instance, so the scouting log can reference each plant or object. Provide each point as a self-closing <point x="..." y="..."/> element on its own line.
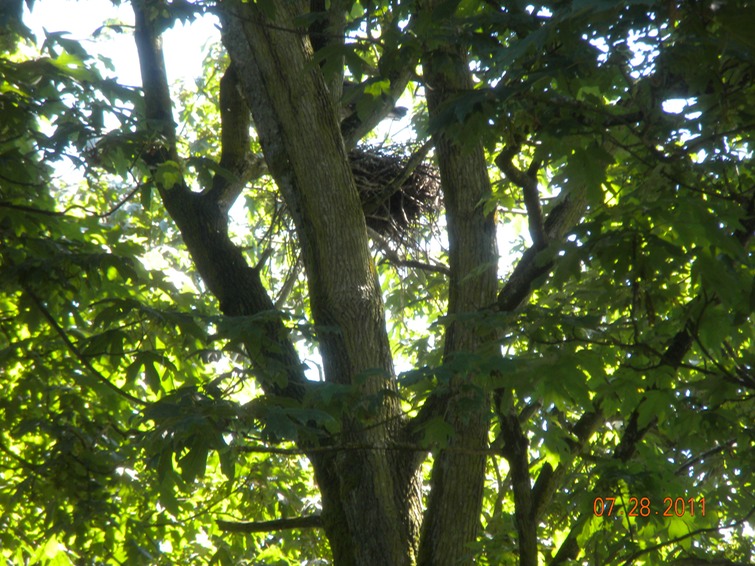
<point x="396" y="189"/>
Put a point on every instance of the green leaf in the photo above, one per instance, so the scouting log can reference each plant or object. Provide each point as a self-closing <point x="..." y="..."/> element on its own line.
<point x="168" y="174"/>
<point x="145" y="195"/>
<point x="194" y="463"/>
<point x="152" y="377"/>
<point x="437" y="433"/>
<point x="587" y="168"/>
<point x="657" y="405"/>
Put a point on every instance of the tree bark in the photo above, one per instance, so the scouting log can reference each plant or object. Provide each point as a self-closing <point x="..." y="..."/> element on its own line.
<point x="366" y="513"/>
<point x="453" y="509"/>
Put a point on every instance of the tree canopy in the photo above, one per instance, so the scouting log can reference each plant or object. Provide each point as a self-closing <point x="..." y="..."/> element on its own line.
<point x="245" y="322"/>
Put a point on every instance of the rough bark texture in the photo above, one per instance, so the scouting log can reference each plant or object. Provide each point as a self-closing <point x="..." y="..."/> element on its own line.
<point x="298" y="128"/>
<point x="516" y="452"/>
<point x="371" y="498"/>
<point x="357" y="486"/>
<point x="453" y="510"/>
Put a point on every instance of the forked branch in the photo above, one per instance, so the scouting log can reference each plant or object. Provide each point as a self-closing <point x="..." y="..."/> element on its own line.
<point x="527" y="181"/>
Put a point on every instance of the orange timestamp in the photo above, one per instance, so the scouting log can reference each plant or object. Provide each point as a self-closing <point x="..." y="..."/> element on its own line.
<point x="643" y="507"/>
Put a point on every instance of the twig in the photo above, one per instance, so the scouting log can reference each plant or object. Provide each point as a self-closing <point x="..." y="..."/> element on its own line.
<point x="75" y="351"/>
<point x="632" y="557"/>
<point x="692" y="461"/>
<point x="414" y="161"/>
<point x="394" y="258"/>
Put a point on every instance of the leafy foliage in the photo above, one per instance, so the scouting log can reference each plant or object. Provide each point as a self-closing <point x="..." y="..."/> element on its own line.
<point x="134" y="412"/>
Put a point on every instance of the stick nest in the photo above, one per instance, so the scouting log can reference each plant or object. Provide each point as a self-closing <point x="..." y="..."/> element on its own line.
<point x="396" y="189"/>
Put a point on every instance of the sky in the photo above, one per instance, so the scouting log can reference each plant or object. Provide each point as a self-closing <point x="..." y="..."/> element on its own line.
<point x="184" y="47"/>
<point x="183" y="44"/>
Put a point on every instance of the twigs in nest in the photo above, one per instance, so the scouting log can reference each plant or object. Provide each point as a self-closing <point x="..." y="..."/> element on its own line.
<point x="395" y="189"/>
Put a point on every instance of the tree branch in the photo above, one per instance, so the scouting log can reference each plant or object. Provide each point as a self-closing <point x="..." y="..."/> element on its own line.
<point x="308" y="522"/>
<point x="527" y="181"/>
<point x="157" y="102"/>
<point x="630" y="559"/>
<point x="549" y="479"/>
<point x="394" y="258"/>
<point x="399" y="65"/>
<point x="76" y="352"/>
<point x="237" y="164"/>
<point x="299" y="132"/>
<point x="531" y="266"/>
<point x="684" y="468"/>
<point x="515" y="450"/>
<point x="457" y="480"/>
<point x="562" y="218"/>
<point x="204" y="225"/>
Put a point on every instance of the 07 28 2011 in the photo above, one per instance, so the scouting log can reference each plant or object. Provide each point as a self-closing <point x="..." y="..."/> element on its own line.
<point x="645" y="507"/>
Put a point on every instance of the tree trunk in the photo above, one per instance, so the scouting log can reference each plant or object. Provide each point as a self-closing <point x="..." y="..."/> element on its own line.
<point x="368" y="513"/>
<point x="453" y="510"/>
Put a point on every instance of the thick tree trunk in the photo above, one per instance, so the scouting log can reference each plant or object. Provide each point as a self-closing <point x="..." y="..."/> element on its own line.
<point x="367" y="516"/>
<point x="453" y="511"/>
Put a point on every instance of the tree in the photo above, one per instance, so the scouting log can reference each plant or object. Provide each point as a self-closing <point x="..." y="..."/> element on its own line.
<point x="588" y="399"/>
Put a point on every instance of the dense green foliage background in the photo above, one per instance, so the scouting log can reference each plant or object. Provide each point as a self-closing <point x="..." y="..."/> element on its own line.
<point x="131" y="417"/>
